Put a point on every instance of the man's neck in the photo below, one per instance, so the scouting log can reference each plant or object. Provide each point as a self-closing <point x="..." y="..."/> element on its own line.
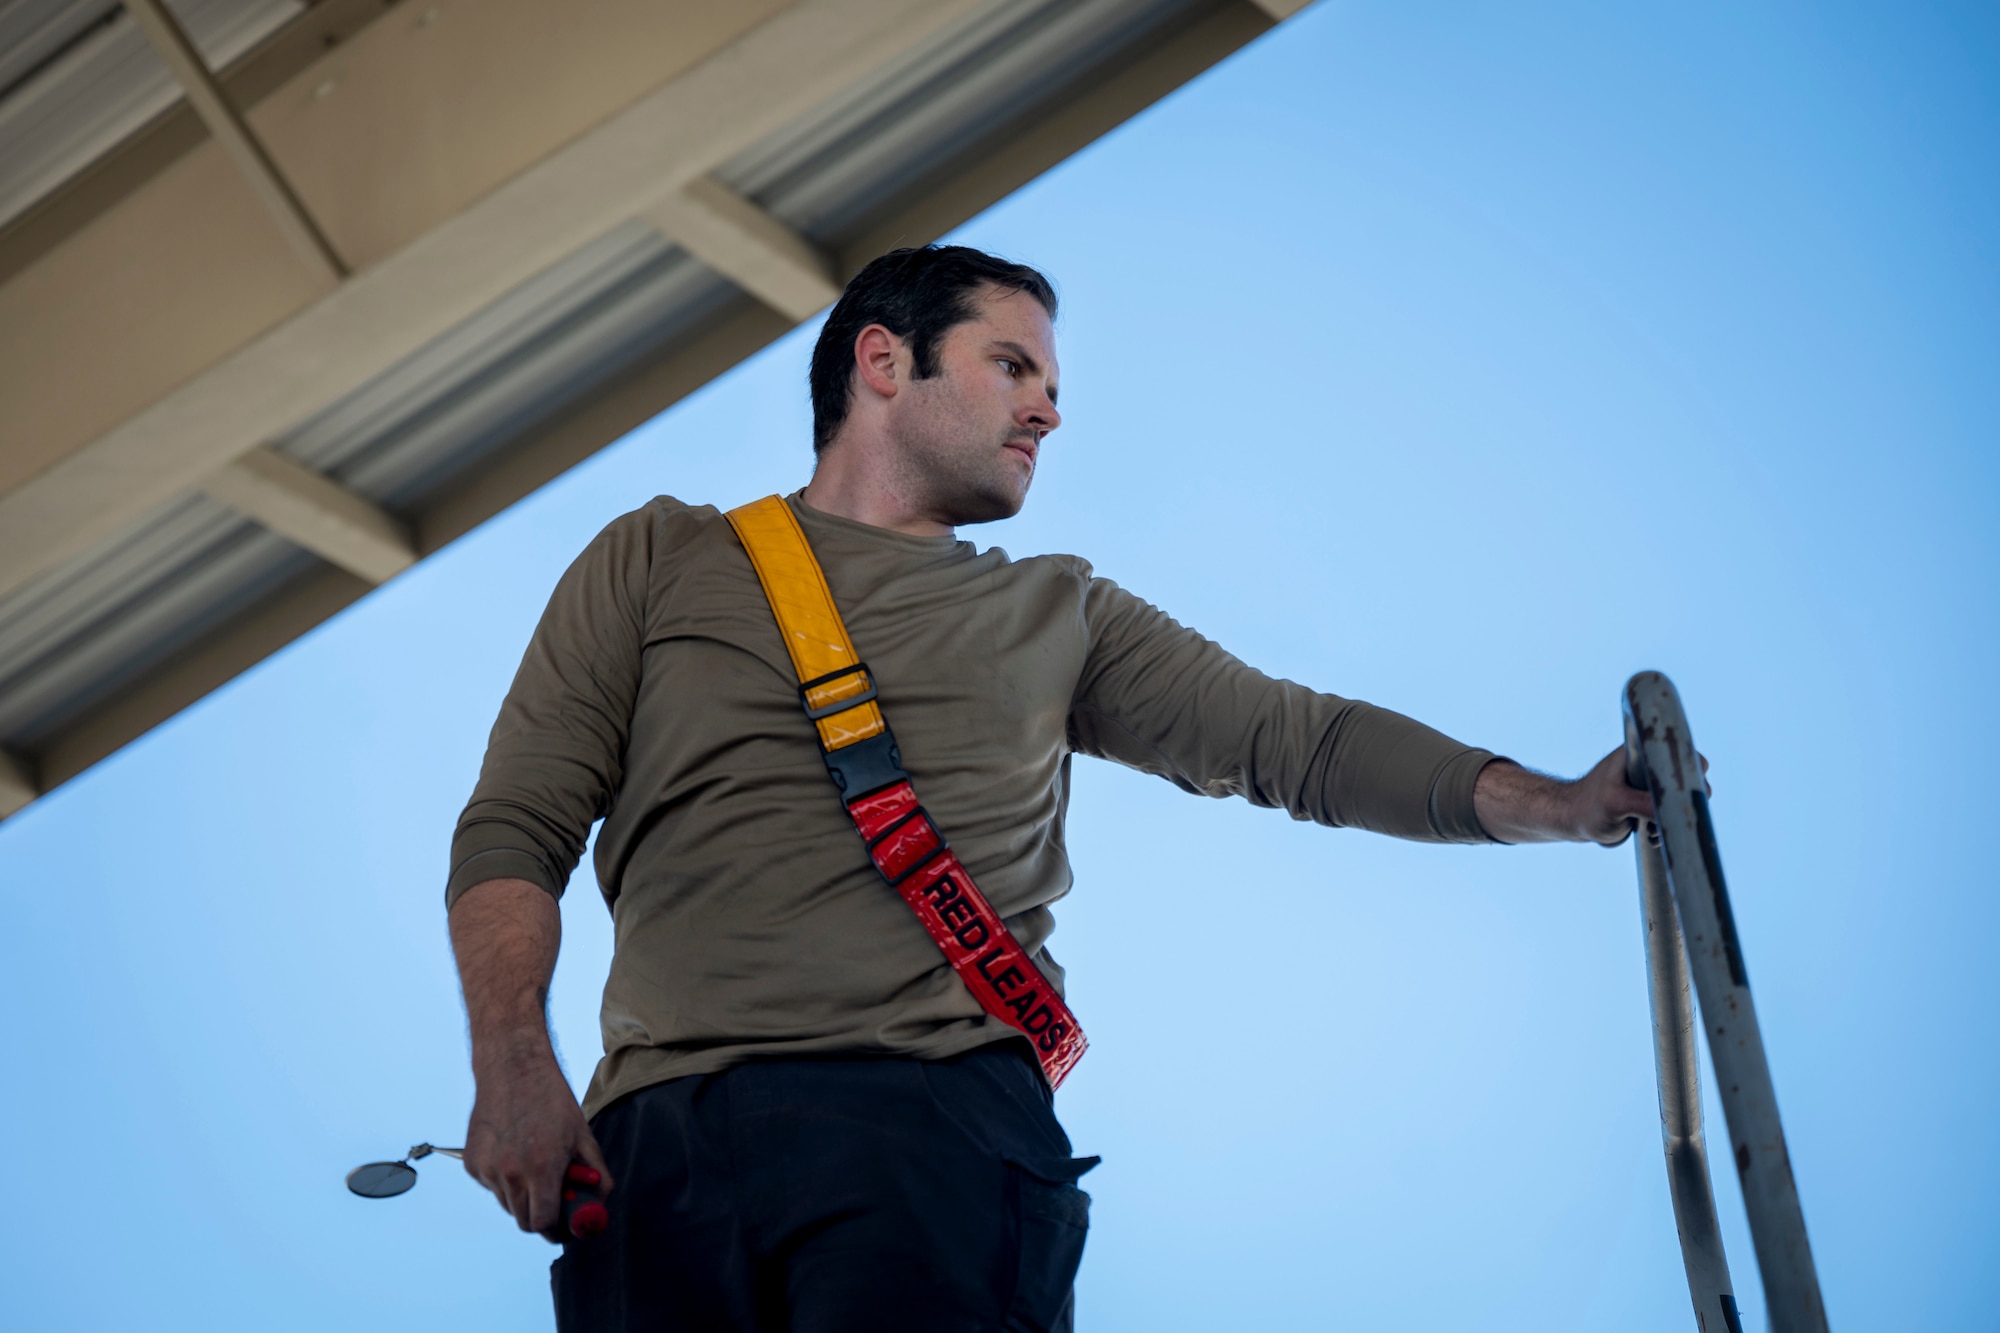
<point x="846" y="485"/>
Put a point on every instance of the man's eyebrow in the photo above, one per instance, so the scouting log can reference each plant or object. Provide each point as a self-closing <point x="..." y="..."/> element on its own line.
<point x="1025" y="357"/>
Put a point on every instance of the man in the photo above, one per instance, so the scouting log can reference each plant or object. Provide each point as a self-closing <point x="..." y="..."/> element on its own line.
<point x="810" y="1120"/>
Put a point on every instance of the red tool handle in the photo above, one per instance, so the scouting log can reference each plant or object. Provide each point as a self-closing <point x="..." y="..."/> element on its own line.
<point x="583" y="1213"/>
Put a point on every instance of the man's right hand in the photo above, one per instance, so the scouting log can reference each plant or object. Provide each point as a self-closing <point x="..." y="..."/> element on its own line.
<point x="526" y="1129"/>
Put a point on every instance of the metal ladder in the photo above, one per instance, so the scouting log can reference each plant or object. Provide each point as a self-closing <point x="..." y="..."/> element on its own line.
<point x="1682" y="894"/>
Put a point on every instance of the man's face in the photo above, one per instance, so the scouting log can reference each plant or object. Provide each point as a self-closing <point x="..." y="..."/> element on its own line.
<point x="967" y="438"/>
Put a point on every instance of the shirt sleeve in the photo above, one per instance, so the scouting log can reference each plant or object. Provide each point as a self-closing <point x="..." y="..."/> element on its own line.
<point x="554" y="759"/>
<point x="1158" y="697"/>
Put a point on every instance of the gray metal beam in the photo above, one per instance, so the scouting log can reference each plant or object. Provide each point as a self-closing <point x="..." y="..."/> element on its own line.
<point x="319" y="514"/>
<point x="748" y="246"/>
<point x="236" y="138"/>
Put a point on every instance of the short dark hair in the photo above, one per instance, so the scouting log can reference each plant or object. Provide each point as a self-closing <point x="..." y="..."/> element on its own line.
<point x="917" y="294"/>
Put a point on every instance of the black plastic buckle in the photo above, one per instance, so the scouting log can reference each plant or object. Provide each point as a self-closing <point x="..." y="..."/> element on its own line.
<point x="916" y="813"/>
<point x="866" y="766"/>
<point x="842" y="705"/>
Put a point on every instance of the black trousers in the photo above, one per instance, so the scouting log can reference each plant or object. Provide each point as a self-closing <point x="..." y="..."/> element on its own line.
<point x="820" y="1196"/>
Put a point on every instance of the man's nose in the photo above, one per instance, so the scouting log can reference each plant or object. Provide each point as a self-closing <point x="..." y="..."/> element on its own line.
<point x="1041" y="415"/>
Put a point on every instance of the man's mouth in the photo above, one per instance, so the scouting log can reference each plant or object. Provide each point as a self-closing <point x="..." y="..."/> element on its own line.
<point x="1025" y="447"/>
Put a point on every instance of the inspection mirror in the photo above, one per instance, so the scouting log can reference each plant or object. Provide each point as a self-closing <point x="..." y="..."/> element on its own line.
<point x="381" y="1180"/>
<point x="385" y="1180"/>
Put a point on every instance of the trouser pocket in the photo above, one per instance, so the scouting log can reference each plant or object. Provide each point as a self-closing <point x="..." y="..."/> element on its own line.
<point x="1051" y="1218"/>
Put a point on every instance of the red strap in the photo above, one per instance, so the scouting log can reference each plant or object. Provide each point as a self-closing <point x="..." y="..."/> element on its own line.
<point x="911" y="854"/>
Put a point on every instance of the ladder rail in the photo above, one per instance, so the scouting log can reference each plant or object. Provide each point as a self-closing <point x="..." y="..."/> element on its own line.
<point x="1679" y="1080"/>
<point x="1688" y="865"/>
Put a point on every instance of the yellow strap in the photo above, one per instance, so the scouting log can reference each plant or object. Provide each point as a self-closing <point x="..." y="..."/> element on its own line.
<point x="808" y="621"/>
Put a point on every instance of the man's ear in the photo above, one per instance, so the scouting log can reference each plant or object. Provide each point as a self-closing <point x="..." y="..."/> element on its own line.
<point x="878" y="357"/>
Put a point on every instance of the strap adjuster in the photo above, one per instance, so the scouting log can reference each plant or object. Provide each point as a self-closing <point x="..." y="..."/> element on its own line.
<point x="839" y="705"/>
<point x="915" y="813"/>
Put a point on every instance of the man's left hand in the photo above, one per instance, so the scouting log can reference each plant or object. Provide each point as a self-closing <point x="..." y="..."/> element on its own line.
<point x="1515" y="804"/>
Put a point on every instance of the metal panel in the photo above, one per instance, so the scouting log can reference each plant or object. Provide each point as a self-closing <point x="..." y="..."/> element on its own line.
<point x="409" y="431"/>
<point x="96" y="622"/>
<point x="106" y="83"/>
<point x="36" y="33"/>
<point x="69" y="641"/>
<point x="825" y="175"/>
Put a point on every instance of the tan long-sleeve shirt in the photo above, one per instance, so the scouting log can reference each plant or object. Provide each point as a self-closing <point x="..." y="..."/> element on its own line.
<point x="657" y="696"/>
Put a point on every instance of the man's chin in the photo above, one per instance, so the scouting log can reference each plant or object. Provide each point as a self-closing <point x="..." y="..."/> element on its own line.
<point x="989" y="505"/>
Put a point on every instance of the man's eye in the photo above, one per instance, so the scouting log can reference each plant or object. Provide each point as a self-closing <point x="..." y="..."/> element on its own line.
<point x="1011" y="367"/>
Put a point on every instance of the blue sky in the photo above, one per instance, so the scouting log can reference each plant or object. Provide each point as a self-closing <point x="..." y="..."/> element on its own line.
<point x="1460" y="357"/>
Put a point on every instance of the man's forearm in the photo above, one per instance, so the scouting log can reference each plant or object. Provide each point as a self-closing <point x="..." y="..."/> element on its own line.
<point x="1515" y="804"/>
<point x="525" y="1127"/>
<point x="505" y="934"/>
